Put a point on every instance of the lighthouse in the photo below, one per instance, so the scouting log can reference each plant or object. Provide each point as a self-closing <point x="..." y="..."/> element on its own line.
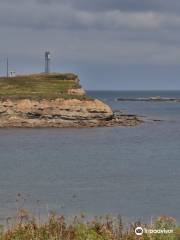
<point x="47" y="62"/>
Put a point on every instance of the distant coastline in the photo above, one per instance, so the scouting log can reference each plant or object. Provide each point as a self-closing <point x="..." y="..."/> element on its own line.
<point x="150" y="99"/>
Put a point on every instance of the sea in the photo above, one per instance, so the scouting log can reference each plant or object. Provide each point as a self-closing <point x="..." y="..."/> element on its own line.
<point x="129" y="171"/>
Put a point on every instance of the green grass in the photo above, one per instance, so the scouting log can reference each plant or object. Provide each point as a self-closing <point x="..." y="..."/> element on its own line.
<point x="25" y="227"/>
<point x="38" y="86"/>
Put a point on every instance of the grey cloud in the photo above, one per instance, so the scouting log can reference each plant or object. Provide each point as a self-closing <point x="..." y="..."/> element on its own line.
<point x="104" y="31"/>
<point x="91" y="47"/>
<point x="123" y="5"/>
<point x="64" y="16"/>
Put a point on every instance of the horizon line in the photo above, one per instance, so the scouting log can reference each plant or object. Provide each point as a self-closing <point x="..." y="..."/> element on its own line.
<point x="115" y="90"/>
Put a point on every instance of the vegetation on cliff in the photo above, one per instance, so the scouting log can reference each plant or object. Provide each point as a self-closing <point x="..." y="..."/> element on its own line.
<point x="25" y="227"/>
<point x="39" y="86"/>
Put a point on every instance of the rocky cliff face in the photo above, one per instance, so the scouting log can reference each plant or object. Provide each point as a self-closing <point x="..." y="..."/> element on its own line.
<point x="53" y="113"/>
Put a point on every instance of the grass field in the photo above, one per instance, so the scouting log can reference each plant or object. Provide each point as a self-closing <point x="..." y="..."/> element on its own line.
<point x="25" y="227"/>
<point x="38" y="86"/>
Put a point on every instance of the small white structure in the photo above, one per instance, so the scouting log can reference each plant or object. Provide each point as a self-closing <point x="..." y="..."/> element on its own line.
<point x="12" y="74"/>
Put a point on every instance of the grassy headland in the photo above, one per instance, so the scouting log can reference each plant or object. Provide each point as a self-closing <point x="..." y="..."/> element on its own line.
<point x="39" y="86"/>
<point x="54" y="100"/>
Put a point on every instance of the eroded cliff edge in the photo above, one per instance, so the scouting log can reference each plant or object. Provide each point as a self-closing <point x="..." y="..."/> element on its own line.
<point x="49" y="101"/>
<point x="60" y="113"/>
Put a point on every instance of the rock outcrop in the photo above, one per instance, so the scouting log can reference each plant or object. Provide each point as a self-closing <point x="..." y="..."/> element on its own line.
<point x="77" y="92"/>
<point x="60" y="113"/>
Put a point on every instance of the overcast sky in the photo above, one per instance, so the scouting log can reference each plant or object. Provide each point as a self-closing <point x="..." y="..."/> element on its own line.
<point x="110" y="44"/>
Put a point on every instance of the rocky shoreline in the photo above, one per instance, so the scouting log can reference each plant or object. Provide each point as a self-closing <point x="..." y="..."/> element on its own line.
<point x="149" y="99"/>
<point x="61" y="113"/>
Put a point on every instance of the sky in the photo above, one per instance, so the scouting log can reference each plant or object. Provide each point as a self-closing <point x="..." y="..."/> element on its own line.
<point x="110" y="44"/>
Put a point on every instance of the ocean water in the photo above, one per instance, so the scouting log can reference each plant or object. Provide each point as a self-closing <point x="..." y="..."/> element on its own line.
<point x="132" y="171"/>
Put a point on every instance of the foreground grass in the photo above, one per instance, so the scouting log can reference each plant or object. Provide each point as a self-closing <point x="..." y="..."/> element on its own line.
<point x="57" y="228"/>
<point x="38" y="86"/>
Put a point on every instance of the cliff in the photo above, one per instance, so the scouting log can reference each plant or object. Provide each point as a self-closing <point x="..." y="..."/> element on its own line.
<point x="55" y="100"/>
<point x="57" y="113"/>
